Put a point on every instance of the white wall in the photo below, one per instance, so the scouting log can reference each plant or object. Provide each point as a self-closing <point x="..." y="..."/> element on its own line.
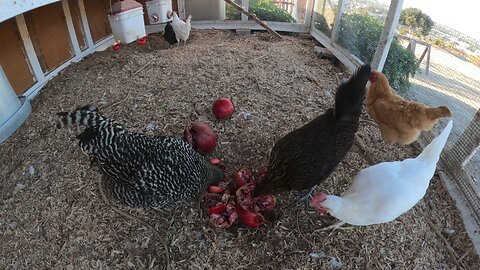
<point x="11" y="8"/>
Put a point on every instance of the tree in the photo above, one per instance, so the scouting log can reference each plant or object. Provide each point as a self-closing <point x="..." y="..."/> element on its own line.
<point x="359" y="34"/>
<point x="416" y="20"/>
<point x="264" y="9"/>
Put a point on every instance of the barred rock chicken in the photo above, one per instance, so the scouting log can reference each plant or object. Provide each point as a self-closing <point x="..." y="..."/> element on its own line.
<point x="181" y="28"/>
<point x="400" y="121"/>
<point x="383" y="192"/>
<point x="308" y="155"/>
<point x="150" y="172"/>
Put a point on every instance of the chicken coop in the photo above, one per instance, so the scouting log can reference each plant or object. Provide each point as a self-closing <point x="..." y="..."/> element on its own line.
<point x="280" y="63"/>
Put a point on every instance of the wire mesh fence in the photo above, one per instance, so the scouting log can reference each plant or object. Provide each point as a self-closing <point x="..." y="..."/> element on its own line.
<point x="292" y="11"/>
<point x="324" y="14"/>
<point x="420" y="71"/>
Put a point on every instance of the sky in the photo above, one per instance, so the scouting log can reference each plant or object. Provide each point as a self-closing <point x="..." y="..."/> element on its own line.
<point x="462" y="15"/>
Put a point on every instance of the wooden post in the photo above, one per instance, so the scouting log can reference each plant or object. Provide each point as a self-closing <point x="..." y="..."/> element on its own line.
<point x="255" y="18"/>
<point x="423" y="55"/>
<point x="309" y="14"/>
<point x="413" y="45"/>
<point x="386" y="37"/>
<point x="181" y="9"/>
<point x="245" y="5"/>
<point x="338" y="18"/>
<point x="71" y="28"/>
<point x="427" y="67"/>
<point x="29" y="49"/>
<point x="86" y="28"/>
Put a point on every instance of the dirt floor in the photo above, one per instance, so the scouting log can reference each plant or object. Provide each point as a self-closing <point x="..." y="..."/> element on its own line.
<point x="52" y="217"/>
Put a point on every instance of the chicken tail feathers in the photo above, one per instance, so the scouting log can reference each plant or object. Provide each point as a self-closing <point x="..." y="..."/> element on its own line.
<point x="434" y="149"/>
<point x="350" y="95"/>
<point x="99" y="130"/>
<point x="87" y="116"/>
<point x="435" y="113"/>
<point x="189" y="18"/>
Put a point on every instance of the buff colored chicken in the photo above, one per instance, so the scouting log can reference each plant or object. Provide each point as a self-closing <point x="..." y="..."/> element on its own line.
<point x="400" y="121"/>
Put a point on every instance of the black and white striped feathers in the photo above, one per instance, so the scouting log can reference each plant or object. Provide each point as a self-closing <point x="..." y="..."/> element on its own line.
<point x="141" y="171"/>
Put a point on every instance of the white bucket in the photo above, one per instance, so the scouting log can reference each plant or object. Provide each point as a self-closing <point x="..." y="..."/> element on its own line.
<point x="9" y="102"/>
<point x="157" y="10"/>
<point x="128" y="26"/>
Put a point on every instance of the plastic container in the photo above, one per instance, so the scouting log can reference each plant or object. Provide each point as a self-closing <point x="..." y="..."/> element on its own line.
<point x="9" y="102"/>
<point x="157" y="10"/>
<point x="205" y="9"/>
<point x="126" y="21"/>
<point x="13" y="110"/>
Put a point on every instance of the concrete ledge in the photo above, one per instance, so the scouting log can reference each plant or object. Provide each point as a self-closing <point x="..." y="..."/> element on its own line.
<point x="16" y="120"/>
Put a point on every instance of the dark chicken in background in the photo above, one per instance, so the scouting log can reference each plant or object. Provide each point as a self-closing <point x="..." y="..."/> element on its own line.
<point x="169" y="33"/>
<point x="308" y="155"/>
<point x="142" y="171"/>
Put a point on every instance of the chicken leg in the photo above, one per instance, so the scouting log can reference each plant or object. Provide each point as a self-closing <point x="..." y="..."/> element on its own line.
<point x="305" y="198"/>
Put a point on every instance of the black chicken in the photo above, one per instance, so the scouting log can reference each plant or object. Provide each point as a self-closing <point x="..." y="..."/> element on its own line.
<point x="169" y="33"/>
<point x="308" y="155"/>
<point x="150" y="172"/>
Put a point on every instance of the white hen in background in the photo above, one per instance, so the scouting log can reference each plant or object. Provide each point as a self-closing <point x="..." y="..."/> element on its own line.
<point x="181" y="28"/>
<point x="383" y="192"/>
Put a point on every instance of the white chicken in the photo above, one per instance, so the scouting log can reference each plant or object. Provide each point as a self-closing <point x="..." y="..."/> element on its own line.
<point x="181" y="28"/>
<point x="383" y="192"/>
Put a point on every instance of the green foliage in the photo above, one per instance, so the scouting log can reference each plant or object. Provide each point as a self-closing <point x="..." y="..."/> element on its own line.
<point x="359" y="33"/>
<point x="416" y="20"/>
<point x="439" y="42"/>
<point x="264" y="9"/>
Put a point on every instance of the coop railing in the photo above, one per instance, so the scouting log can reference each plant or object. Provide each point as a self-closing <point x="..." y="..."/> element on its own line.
<point x="455" y="176"/>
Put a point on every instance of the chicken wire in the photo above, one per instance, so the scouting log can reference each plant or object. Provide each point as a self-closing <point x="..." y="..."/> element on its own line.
<point x="293" y="11"/>
<point x="324" y="15"/>
<point x="418" y="71"/>
<point x="446" y="79"/>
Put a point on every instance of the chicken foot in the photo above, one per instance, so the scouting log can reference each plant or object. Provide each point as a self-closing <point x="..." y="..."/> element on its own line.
<point x="336" y="226"/>
<point x="305" y="198"/>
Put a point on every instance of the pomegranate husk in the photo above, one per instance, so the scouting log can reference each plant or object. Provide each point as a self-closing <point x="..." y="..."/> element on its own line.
<point x="254" y="204"/>
<point x="243" y="176"/>
<point x="217" y="209"/>
<point x="250" y="219"/>
<point x="215" y="189"/>
<point x="225" y="217"/>
<point x="201" y="137"/>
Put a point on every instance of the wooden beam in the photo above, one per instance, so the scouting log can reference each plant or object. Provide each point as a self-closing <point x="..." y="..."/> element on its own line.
<point x="181" y="9"/>
<point x="427" y="65"/>
<point x="86" y="27"/>
<point x="233" y="25"/>
<point x="71" y="28"/>
<point x="245" y="5"/>
<point x="255" y="18"/>
<point x="30" y="50"/>
<point x="386" y="37"/>
<point x="338" y="17"/>
<point x="349" y="60"/>
<point x="33" y="91"/>
<point x="309" y="14"/>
